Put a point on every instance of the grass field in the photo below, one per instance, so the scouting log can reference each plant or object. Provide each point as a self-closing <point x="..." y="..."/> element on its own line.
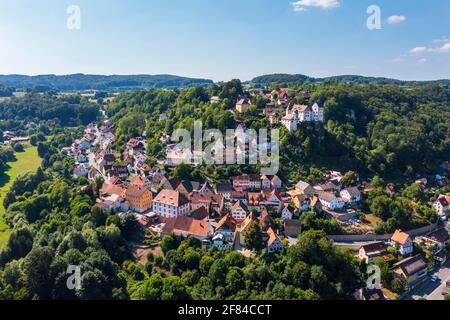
<point x="25" y="162"/>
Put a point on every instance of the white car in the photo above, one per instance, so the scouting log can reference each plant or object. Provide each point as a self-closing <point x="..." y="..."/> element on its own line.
<point x="434" y="278"/>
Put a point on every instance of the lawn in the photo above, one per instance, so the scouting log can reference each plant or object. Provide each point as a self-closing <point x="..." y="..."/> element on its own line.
<point x="373" y="220"/>
<point x="25" y="162"/>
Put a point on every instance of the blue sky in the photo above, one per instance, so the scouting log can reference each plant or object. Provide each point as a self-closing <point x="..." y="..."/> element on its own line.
<point x="225" y="39"/>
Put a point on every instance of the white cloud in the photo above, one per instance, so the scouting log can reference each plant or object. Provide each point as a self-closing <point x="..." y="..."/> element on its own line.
<point x="417" y="50"/>
<point x="445" y="48"/>
<point x="397" y="60"/>
<point x="396" y="19"/>
<point x="422" y="61"/>
<point x="324" y="4"/>
<point x="441" y="40"/>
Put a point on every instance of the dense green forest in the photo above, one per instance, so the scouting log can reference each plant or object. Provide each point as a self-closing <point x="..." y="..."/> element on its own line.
<point x="6" y="91"/>
<point x="98" y="82"/>
<point x="290" y="78"/>
<point x="73" y="110"/>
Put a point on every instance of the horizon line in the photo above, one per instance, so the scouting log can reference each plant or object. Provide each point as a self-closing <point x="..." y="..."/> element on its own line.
<point x="217" y="81"/>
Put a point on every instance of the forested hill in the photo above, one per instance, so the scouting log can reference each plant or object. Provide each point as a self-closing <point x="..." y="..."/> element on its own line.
<point x="98" y="82"/>
<point x="287" y="78"/>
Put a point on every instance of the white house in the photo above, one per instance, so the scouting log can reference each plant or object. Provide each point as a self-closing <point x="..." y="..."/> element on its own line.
<point x="302" y="113"/>
<point x="402" y="242"/>
<point x="273" y="199"/>
<point x="329" y="200"/>
<point x="276" y="182"/>
<point x="286" y="214"/>
<point x="239" y="210"/>
<point x="265" y="182"/>
<point x="226" y="227"/>
<point x="175" y="157"/>
<point x="274" y="243"/>
<point x="351" y="195"/>
<point x="224" y="189"/>
<point x="442" y="205"/>
<point x="170" y="204"/>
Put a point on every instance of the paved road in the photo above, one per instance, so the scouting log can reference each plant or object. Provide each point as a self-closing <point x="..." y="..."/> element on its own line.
<point x="432" y="290"/>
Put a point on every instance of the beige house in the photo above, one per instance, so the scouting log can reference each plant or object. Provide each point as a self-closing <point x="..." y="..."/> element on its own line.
<point x="369" y="252"/>
<point x="243" y="105"/>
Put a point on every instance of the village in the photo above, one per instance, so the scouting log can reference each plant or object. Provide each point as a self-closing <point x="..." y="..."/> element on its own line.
<point x="220" y="213"/>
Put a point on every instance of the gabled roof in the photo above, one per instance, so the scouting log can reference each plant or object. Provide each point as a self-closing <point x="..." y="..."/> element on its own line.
<point x="440" y="235"/>
<point x="243" y="178"/>
<point x="172" y="182"/>
<point x="301" y="108"/>
<point x="227" y="221"/>
<point x="302" y="185"/>
<point x="200" y="214"/>
<point x="444" y="200"/>
<point x="276" y="193"/>
<point x="272" y="237"/>
<point x="139" y="181"/>
<point x="239" y="205"/>
<point x="353" y="191"/>
<point x="412" y="265"/>
<point x="275" y="179"/>
<point x="206" y="186"/>
<point x="224" y="187"/>
<point x="374" y="247"/>
<point x="265" y="221"/>
<point x="135" y="191"/>
<point x="243" y="101"/>
<point x="134" y="143"/>
<point x="182" y="224"/>
<point x="254" y="198"/>
<point x="187" y="185"/>
<point x="171" y="198"/>
<point x="111" y="189"/>
<point x="109" y="157"/>
<point x="247" y="221"/>
<point x="327" y="196"/>
<point x="400" y="237"/>
<point x="200" y="198"/>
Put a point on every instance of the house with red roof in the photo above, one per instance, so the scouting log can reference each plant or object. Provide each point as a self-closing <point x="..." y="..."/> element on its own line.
<point x="187" y="226"/>
<point x="239" y="210"/>
<point x="274" y="243"/>
<point x="170" y="204"/>
<point x="402" y="242"/>
<point x="442" y="205"/>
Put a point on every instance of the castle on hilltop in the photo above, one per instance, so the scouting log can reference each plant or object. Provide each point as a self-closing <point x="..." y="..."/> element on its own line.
<point x="302" y="113"/>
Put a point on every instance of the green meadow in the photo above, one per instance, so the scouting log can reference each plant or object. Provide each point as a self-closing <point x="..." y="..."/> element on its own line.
<point x="25" y="162"/>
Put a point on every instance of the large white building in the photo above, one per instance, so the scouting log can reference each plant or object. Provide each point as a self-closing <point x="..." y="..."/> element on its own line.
<point x="170" y="204"/>
<point x="302" y="113"/>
